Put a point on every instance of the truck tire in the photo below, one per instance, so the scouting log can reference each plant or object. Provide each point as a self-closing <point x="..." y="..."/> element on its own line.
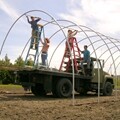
<point x="108" y="89"/>
<point x="38" y="90"/>
<point x="64" y="88"/>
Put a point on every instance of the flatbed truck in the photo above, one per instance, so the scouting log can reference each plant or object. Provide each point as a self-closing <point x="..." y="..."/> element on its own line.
<point x="60" y="83"/>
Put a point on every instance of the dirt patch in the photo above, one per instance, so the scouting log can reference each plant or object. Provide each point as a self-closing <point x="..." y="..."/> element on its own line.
<point x="21" y="105"/>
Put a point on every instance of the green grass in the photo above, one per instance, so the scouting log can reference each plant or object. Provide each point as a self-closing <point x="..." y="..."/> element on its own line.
<point x="117" y="82"/>
<point x="9" y="86"/>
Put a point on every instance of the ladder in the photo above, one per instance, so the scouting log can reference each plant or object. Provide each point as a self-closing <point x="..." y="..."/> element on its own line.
<point x="66" y="64"/>
<point x="33" y="51"/>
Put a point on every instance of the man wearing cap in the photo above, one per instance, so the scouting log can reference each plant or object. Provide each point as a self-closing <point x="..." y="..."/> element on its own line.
<point x="86" y="57"/>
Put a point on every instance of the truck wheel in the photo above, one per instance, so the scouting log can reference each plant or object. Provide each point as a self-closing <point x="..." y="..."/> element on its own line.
<point x="64" y="88"/>
<point x="38" y="90"/>
<point x="107" y="90"/>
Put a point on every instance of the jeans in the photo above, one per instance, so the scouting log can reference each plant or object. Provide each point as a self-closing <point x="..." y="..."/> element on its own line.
<point x="85" y="61"/>
<point x="34" y="38"/>
<point x="44" y="58"/>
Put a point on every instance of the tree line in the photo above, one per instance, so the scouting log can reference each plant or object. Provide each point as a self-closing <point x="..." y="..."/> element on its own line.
<point x="7" y="68"/>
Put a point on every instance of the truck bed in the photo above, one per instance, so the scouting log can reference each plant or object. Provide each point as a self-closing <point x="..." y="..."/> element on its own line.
<point x="51" y="72"/>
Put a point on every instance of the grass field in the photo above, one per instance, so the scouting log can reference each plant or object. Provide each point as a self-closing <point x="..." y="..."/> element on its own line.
<point x="10" y="86"/>
<point x="117" y="82"/>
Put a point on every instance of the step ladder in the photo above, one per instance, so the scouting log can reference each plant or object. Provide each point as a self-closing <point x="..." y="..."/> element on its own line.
<point x="33" y="51"/>
<point x="66" y="64"/>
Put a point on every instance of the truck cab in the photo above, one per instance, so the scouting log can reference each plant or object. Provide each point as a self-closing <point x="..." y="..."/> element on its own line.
<point x="99" y="77"/>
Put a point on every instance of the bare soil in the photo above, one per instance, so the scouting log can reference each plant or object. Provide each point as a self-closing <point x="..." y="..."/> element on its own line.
<point x="16" y="104"/>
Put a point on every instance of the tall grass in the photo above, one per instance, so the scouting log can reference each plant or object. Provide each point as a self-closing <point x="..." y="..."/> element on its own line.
<point x="117" y="82"/>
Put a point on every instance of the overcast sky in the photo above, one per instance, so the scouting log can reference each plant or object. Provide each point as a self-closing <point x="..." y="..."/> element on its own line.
<point x="97" y="14"/>
<point x="101" y="15"/>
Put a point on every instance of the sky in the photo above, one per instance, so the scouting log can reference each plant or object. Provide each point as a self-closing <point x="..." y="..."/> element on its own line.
<point x="100" y="15"/>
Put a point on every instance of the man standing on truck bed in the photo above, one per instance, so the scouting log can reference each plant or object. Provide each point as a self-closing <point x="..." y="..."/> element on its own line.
<point x="86" y="57"/>
<point x="44" y="51"/>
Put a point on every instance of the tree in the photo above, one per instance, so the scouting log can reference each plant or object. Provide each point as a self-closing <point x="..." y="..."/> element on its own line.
<point x="19" y="61"/>
<point x="6" y="77"/>
<point x="30" y="62"/>
<point x="1" y="62"/>
<point x="5" y="62"/>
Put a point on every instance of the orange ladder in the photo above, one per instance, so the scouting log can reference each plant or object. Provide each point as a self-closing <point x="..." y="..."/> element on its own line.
<point x="66" y="64"/>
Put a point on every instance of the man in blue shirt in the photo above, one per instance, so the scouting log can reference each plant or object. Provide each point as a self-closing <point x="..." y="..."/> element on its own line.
<point x="34" y="27"/>
<point x="86" y="57"/>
